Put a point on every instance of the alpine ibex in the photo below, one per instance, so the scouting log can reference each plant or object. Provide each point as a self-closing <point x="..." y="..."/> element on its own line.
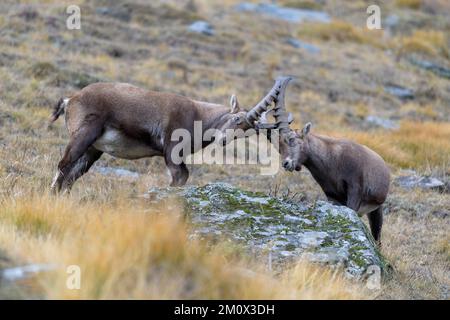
<point x="131" y="123"/>
<point x="349" y="174"/>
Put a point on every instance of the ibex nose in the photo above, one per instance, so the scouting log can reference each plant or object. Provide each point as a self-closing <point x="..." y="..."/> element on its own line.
<point x="286" y="164"/>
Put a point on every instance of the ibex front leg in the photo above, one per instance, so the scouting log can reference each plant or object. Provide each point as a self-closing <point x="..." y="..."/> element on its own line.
<point x="178" y="171"/>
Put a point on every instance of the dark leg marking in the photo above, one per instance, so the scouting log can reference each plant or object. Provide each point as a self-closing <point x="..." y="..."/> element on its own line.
<point x="376" y="223"/>
<point x="80" y="167"/>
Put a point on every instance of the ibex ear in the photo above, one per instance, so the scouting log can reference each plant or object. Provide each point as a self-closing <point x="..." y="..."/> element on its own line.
<point x="234" y="104"/>
<point x="290" y="118"/>
<point x="306" y="129"/>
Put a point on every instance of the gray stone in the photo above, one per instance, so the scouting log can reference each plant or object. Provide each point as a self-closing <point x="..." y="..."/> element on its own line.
<point x="382" y="122"/>
<point x="400" y="92"/>
<point x="103" y="10"/>
<point x="392" y="21"/>
<point x="295" y="15"/>
<point x="120" y="12"/>
<point x="302" y="45"/>
<point x="443" y="214"/>
<point x="23" y="272"/>
<point x="320" y="232"/>
<point x="202" y="27"/>
<point x="415" y="181"/>
<point x="431" y="66"/>
<point x="119" y="172"/>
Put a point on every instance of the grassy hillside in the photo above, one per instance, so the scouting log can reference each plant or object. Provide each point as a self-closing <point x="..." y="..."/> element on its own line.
<point x="338" y="86"/>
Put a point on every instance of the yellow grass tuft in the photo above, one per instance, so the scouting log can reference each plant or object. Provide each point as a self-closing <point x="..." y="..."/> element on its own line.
<point x="143" y="252"/>
<point x="340" y="31"/>
<point x="443" y="247"/>
<point x="430" y="42"/>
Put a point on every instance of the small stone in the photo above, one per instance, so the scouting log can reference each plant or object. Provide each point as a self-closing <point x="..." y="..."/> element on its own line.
<point x="431" y="66"/>
<point x="28" y="13"/>
<point x="443" y="214"/>
<point x="382" y="122"/>
<point x="119" y="172"/>
<point x="103" y="10"/>
<point x="23" y="272"/>
<point x="295" y="15"/>
<point x="415" y="181"/>
<point x="202" y="27"/>
<point x="400" y="92"/>
<point x="391" y="22"/>
<point x="302" y="45"/>
<point x="120" y="12"/>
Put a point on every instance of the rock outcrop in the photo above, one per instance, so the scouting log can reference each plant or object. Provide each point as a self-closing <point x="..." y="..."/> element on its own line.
<point x="320" y="232"/>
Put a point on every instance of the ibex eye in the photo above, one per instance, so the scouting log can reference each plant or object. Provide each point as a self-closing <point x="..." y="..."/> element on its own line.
<point x="237" y="120"/>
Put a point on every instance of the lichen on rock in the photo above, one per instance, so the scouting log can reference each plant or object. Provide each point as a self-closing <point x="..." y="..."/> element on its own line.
<point x="320" y="232"/>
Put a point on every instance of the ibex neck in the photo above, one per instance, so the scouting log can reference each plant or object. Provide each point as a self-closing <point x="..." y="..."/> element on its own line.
<point x="211" y="114"/>
<point x="316" y="155"/>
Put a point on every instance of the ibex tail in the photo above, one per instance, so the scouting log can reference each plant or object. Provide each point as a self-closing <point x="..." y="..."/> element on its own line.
<point x="58" y="109"/>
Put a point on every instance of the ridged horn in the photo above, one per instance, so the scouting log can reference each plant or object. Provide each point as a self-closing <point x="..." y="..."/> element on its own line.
<point x="282" y="118"/>
<point x="274" y="95"/>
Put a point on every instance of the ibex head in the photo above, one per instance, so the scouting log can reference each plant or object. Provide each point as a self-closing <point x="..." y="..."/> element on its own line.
<point x="244" y="120"/>
<point x="235" y="121"/>
<point x="293" y="148"/>
<point x="292" y="143"/>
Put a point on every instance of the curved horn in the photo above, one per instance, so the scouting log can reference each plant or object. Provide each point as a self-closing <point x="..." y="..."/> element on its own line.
<point x="274" y="94"/>
<point x="263" y="123"/>
<point x="282" y="118"/>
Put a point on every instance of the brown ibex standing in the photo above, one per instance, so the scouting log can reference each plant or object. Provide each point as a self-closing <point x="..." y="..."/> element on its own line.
<point x="349" y="174"/>
<point x="131" y="123"/>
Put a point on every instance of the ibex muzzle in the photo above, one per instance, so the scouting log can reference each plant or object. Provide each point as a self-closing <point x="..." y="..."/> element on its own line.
<point x="349" y="174"/>
<point x="131" y="123"/>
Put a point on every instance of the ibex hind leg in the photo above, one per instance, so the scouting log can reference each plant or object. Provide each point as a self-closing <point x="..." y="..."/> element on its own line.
<point x="80" y="167"/>
<point x="79" y="143"/>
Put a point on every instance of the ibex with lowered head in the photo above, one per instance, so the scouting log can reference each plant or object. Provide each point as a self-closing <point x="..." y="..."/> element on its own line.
<point x="131" y="123"/>
<point x="349" y="174"/>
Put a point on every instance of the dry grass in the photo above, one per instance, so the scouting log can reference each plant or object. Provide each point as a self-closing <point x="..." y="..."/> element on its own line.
<point x="416" y="243"/>
<point x="443" y="247"/>
<point x="340" y="31"/>
<point x="41" y="60"/>
<point x="430" y="42"/>
<point x="144" y="253"/>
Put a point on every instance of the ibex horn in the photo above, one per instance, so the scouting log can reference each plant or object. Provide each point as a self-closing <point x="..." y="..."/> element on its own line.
<point x="282" y="118"/>
<point x="276" y="94"/>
